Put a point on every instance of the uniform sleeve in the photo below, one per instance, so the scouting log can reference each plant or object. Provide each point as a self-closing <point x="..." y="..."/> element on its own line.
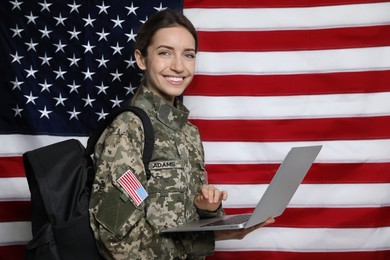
<point x="118" y="222"/>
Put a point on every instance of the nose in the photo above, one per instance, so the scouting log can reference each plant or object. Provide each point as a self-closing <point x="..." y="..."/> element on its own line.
<point x="177" y="64"/>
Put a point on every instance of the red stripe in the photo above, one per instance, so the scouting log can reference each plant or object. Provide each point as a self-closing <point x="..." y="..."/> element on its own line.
<point x="11" y="167"/>
<point x="15" y="211"/>
<point x="319" y="173"/>
<point x="328" y="217"/>
<point x="282" y="255"/>
<point x="15" y="252"/>
<point x="288" y="40"/>
<point x="267" y="3"/>
<point x="292" y="217"/>
<point x="296" y="84"/>
<point x="282" y="130"/>
<point x="130" y="183"/>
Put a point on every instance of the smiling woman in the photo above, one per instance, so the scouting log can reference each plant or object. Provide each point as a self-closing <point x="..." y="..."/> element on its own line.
<point x="170" y="62"/>
<point x="127" y="218"/>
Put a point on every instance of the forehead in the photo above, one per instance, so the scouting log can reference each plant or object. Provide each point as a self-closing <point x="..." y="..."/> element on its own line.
<point x="176" y="36"/>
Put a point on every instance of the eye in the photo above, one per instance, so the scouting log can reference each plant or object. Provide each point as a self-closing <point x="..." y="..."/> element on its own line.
<point x="190" y="55"/>
<point x="164" y="53"/>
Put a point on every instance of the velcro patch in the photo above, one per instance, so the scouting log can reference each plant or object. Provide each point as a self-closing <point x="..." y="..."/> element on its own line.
<point x="133" y="187"/>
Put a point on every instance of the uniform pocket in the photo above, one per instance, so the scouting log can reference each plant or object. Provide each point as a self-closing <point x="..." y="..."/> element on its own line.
<point x="167" y="194"/>
<point x="117" y="213"/>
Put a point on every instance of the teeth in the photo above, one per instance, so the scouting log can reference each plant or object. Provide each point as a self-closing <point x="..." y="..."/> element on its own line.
<point x="177" y="79"/>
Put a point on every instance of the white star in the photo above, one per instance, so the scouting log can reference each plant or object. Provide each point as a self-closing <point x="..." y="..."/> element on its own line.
<point x="117" y="22"/>
<point x="130" y="89"/>
<point x="17" y="31"/>
<point x="160" y="8"/>
<point x="31" y="18"/>
<point x="60" y="100"/>
<point x="17" y="111"/>
<point x="102" y="88"/>
<point x="117" y="49"/>
<point x="131" y="36"/>
<point x="74" y="87"/>
<point x="60" y="73"/>
<point x="131" y="9"/>
<point x="74" y="7"/>
<point x="16" y="57"/>
<point x="88" y="74"/>
<point x="116" y="101"/>
<point x="144" y="21"/>
<point x="74" y="33"/>
<point x="45" y="86"/>
<point x="45" y="32"/>
<point x="88" y="101"/>
<point x="102" y="35"/>
<point x="60" y="46"/>
<point x="31" y="72"/>
<point x="116" y="75"/>
<point x="30" y="98"/>
<point x="45" y="113"/>
<point x="16" y="4"/>
<point x="73" y="114"/>
<point x="102" y="62"/>
<point x="103" y="8"/>
<point x="130" y="63"/>
<point x="45" y="59"/>
<point x="88" y="47"/>
<point x="73" y="61"/>
<point x="31" y="45"/>
<point x="16" y="84"/>
<point x="60" y="20"/>
<point x="101" y="115"/>
<point x="88" y="21"/>
<point x="45" y="5"/>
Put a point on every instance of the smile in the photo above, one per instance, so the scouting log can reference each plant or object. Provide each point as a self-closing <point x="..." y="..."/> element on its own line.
<point x="175" y="79"/>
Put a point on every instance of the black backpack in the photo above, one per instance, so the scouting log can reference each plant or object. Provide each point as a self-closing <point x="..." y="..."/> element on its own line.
<point x="60" y="177"/>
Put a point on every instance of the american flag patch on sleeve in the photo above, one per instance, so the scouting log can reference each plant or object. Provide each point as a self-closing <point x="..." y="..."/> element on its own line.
<point x="133" y="187"/>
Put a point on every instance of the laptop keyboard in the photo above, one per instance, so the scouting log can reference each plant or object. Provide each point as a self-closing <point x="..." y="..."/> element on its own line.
<point x="237" y="219"/>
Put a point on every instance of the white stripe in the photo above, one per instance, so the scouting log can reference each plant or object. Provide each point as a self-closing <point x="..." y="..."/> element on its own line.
<point x="280" y="239"/>
<point x="219" y="19"/>
<point x="247" y="196"/>
<point x="16" y="145"/>
<point x="313" y="195"/>
<point x="293" y="62"/>
<point x="274" y="152"/>
<point x="14" y="189"/>
<point x="15" y="233"/>
<point x="311" y="240"/>
<point x="304" y="106"/>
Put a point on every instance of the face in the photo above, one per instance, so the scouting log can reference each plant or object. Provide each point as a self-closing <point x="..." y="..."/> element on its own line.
<point x="170" y="63"/>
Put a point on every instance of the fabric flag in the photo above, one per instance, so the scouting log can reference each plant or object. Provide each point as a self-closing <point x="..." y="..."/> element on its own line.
<point x="270" y="75"/>
<point x="64" y="66"/>
<point x="277" y="74"/>
<point x="133" y="187"/>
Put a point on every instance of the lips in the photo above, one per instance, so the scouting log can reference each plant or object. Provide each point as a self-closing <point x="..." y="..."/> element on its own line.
<point x="175" y="80"/>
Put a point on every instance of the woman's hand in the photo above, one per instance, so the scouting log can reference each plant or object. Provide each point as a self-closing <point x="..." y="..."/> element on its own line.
<point x="209" y="198"/>
<point x="239" y="233"/>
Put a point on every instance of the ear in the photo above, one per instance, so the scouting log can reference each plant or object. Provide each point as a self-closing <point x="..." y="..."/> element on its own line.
<point x="140" y="59"/>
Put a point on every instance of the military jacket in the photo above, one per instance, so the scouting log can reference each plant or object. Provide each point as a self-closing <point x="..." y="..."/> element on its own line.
<point x="125" y="230"/>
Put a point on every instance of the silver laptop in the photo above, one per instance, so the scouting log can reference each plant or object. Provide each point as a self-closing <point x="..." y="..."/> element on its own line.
<point x="274" y="201"/>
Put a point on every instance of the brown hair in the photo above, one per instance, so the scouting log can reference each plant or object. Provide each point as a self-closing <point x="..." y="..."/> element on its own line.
<point x="162" y="19"/>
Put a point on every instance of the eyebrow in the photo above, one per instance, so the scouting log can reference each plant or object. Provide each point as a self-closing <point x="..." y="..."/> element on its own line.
<point x="171" y="48"/>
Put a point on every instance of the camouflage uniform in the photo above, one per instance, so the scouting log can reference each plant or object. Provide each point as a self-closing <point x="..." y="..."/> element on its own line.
<point x="126" y="231"/>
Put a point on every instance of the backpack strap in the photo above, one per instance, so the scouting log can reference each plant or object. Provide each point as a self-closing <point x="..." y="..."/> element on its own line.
<point x="148" y="132"/>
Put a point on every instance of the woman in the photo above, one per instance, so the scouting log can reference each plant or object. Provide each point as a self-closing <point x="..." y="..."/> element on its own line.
<point x="166" y="49"/>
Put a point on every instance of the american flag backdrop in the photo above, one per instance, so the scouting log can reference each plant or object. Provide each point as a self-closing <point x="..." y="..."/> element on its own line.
<point x="270" y="75"/>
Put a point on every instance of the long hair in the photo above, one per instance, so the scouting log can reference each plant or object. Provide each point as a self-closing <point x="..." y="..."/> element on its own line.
<point x="163" y="19"/>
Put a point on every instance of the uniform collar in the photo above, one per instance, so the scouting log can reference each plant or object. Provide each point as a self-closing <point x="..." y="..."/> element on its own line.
<point x="174" y="117"/>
